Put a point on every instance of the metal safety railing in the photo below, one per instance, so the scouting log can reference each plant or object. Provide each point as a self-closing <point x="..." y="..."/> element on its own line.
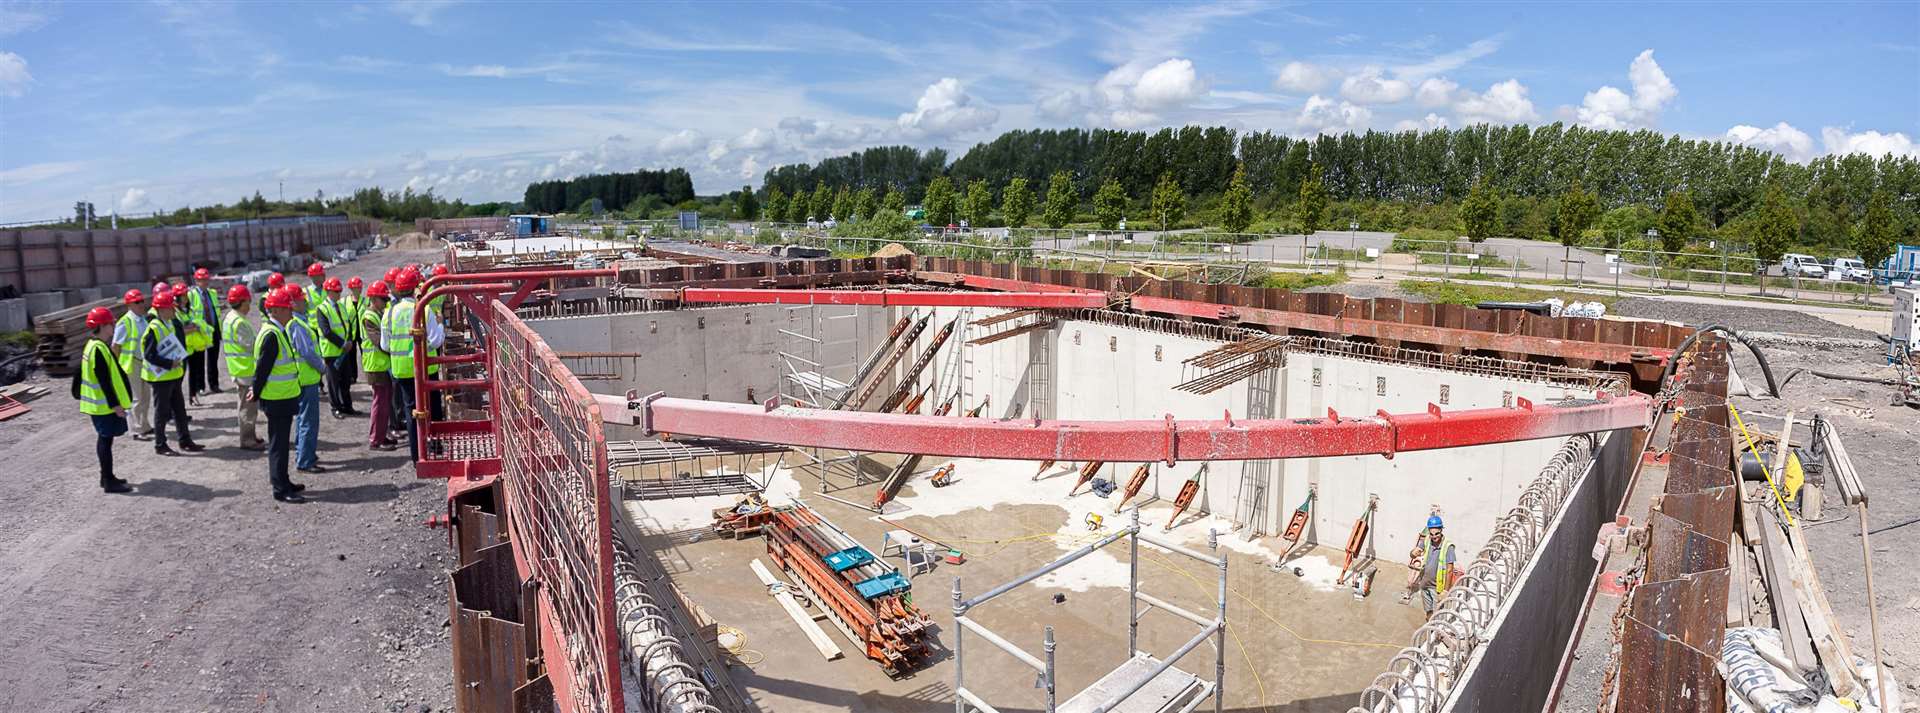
<point x="1421" y="677"/>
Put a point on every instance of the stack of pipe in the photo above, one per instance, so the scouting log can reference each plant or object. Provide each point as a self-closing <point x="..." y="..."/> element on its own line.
<point x="834" y="568"/>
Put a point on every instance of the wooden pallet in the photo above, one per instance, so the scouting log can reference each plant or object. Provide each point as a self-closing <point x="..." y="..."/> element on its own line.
<point x="62" y="335"/>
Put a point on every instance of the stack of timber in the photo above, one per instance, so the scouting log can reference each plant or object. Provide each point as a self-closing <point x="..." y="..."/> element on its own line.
<point x="63" y="334"/>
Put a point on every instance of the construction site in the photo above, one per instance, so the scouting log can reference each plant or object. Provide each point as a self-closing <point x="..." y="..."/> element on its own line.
<point x="678" y="477"/>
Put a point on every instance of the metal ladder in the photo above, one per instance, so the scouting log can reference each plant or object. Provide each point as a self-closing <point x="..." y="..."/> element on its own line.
<point x="1250" y="508"/>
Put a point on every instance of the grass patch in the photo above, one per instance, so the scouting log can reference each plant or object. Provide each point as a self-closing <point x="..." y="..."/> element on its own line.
<point x="1303" y="280"/>
<point x="1455" y="293"/>
<point x="23" y="339"/>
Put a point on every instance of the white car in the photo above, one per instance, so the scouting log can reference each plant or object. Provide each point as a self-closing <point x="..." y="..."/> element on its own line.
<point x="1797" y="265"/>
<point x="1850" y="269"/>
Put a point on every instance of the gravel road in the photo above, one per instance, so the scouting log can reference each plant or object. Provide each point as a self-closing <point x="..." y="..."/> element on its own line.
<point x="198" y="591"/>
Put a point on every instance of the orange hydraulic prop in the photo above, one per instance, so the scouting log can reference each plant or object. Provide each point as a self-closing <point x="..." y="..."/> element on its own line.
<point x="1297" y="526"/>
<point x="1086" y="473"/>
<point x="1185" y="499"/>
<point x="1357" y="540"/>
<point x="1134" y="484"/>
<point x="1044" y="465"/>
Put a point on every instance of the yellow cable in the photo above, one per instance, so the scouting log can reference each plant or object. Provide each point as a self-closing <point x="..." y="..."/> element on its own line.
<point x="1755" y="450"/>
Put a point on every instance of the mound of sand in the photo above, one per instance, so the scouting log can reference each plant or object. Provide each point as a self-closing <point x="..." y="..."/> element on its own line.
<point x="892" y="250"/>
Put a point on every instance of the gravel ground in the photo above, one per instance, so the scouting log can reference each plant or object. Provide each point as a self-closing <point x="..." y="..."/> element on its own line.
<point x="1736" y="318"/>
<point x="198" y="591"/>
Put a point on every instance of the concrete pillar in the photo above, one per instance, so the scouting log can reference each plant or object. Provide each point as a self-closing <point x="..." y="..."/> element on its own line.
<point x="13" y="315"/>
<point x="39" y="303"/>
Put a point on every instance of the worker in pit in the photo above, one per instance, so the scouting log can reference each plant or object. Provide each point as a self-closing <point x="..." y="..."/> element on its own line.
<point x="163" y="353"/>
<point x="102" y="389"/>
<point x="237" y="337"/>
<point x="127" y="333"/>
<point x="275" y="386"/>
<point x="1432" y="562"/>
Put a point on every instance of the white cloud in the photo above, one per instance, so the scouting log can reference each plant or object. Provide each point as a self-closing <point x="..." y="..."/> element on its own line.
<point x="1435" y="91"/>
<point x="1062" y="104"/>
<point x="1303" y="77"/>
<point x="945" y="109"/>
<point x="1448" y="61"/>
<point x="14" y="76"/>
<point x="1369" y="87"/>
<point x="134" y="200"/>
<point x="1872" y="143"/>
<point x="420" y="13"/>
<point x="1610" y="108"/>
<point x="1347" y="39"/>
<point x="18" y="17"/>
<point x="1782" y="138"/>
<point x="755" y="139"/>
<point x="494" y="71"/>
<point x="680" y="142"/>
<point x="1428" y="123"/>
<point x="1168" y="84"/>
<point x="1321" y="115"/>
<point x="1503" y="103"/>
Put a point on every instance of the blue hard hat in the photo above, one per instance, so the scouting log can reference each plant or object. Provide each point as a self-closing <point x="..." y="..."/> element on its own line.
<point x="1434" y="521"/>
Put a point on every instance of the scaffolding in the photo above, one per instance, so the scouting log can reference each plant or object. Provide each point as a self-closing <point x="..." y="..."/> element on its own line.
<point x="819" y="344"/>
<point x="1144" y="683"/>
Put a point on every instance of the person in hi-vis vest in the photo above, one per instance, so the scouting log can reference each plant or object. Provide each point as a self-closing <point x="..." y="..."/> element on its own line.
<point x="102" y="389"/>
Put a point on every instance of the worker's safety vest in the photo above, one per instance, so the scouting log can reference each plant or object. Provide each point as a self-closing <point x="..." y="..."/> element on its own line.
<point x="95" y="397"/>
<point x="236" y="344"/>
<point x="373" y="359"/>
<point x="283" y="375"/>
<point x="202" y="304"/>
<point x="168" y="340"/>
<point x="328" y="319"/>
<point x="309" y="376"/>
<point x="400" y="340"/>
<point x="1441" y="572"/>
<point x="131" y="329"/>
<point x="199" y="335"/>
<point x="349" y="308"/>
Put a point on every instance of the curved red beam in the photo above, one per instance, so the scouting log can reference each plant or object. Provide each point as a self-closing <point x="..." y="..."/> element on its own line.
<point x="898" y="298"/>
<point x="1169" y="439"/>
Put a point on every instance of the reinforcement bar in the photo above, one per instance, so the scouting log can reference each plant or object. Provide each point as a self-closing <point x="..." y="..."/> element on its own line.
<point x="1167" y="440"/>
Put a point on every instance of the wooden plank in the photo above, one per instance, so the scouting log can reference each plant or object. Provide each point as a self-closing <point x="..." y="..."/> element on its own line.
<point x="1836" y="655"/>
<point x="808" y="626"/>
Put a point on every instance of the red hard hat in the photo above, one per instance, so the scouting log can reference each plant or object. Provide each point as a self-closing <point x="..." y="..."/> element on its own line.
<point x="392" y="272"/>
<point x="238" y="294"/>
<point x="332" y="284"/>
<point x="439" y="270"/>
<point x="179" y="290"/>
<point x="133" y="297"/>
<point x="353" y="283"/>
<point x="99" y="317"/>
<point x="163" y="300"/>
<point x="316" y="270"/>
<point x="294" y="293"/>
<point x="159" y="287"/>
<point x="279" y="298"/>
<point x="202" y="274"/>
<point x="379" y="289"/>
<point x="276" y="280"/>
<point x="407" y="281"/>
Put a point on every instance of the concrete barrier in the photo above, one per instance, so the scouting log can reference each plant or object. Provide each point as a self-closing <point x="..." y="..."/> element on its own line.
<point x="13" y="315"/>
<point x="39" y="303"/>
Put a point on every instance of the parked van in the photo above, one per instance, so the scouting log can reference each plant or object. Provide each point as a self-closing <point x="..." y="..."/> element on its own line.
<point x="1851" y="269"/>
<point x="1798" y="265"/>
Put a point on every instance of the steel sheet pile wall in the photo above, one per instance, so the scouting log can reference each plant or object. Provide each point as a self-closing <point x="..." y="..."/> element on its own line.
<point x="1671" y="628"/>
<point x="42" y="260"/>
<point x="554" y="467"/>
<point x="441" y="226"/>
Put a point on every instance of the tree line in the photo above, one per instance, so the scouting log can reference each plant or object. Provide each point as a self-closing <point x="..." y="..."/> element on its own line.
<point x="615" y="190"/>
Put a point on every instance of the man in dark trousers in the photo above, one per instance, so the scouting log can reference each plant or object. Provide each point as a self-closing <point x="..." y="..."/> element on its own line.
<point x="101" y="388"/>
<point x="335" y="336"/>
<point x="164" y="351"/>
<point x="276" y="387"/>
<point x="205" y="303"/>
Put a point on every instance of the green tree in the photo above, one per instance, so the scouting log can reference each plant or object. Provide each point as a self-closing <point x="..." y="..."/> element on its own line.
<point x="1776" y="226"/>
<point x="797" y="207"/>
<point x="1169" y="201"/>
<point x="942" y="205"/>
<point x="1875" y="239"/>
<point x="748" y="206"/>
<point x="865" y="204"/>
<point x="1061" y="201"/>
<point x="821" y="205"/>
<point x="1110" y="204"/>
<point x="843" y="204"/>
<point x="1480" y="212"/>
<point x="1236" y="205"/>
<point x="895" y="203"/>
<point x="979" y="203"/>
<point x="1016" y="203"/>
<point x="1312" y="206"/>
<point x="1578" y="210"/>
<point x="1678" y="221"/>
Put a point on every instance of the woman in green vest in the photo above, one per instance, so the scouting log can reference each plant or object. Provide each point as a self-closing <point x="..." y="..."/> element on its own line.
<point x="101" y="388"/>
<point x="376" y="364"/>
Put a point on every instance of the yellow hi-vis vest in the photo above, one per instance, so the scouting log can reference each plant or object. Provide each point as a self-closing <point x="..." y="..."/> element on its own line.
<point x="308" y="375"/>
<point x="327" y="318"/>
<point x="1441" y="571"/>
<point x="283" y="375"/>
<point x="127" y="335"/>
<point x="373" y="359"/>
<point x="399" y="336"/>
<point x="199" y="335"/>
<point x="163" y="334"/>
<point x="236" y="344"/>
<point x="349" y="307"/>
<point x="95" y="397"/>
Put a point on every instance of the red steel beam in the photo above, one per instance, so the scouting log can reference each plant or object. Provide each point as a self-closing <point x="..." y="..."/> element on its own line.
<point x="1168" y="439"/>
<point x="898" y="298"/>
<point x="1002" y="284"/>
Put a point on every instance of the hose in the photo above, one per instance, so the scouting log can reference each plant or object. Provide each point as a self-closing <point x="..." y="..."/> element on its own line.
<point x="1843" y="377"/>
<point x="1765" y="368"/>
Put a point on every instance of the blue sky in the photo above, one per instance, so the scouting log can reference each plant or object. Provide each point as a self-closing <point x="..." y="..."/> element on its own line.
<point x="139" y="106"/>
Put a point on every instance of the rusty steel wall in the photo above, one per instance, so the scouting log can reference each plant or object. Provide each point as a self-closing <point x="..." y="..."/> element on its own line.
<point x="43" y="260"/>
<point x="435" y="226"/>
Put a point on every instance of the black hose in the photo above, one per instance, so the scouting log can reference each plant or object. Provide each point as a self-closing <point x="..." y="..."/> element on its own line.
<point x="1765" y="368"/>
<point x="1847" y="377"/>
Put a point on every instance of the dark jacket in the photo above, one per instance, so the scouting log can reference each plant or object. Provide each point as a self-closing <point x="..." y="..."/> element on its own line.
<point x="263" y="364"/>
<point x="150" y="347"/>
<point x="103" y="365"/>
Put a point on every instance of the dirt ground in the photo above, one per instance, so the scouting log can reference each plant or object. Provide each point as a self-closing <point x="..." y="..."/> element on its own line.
<point x="198" y="591"/>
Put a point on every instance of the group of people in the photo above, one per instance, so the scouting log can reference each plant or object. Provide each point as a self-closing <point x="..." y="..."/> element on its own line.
<point x="149" y="364"/>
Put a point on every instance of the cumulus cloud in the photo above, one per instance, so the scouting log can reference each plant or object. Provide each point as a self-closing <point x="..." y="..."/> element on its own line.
<point x="1168" y="84"/>
<point x="1503" y="103"/>
<point x="135" y="199"/>
<point x="1435" y="92"/>
<point x="1369" y="86"/>
<point x="1781" y="138"/>
<point x="1321" y="115"/>
<point x="492" y="71"/>
<point x="945" y="109"/>
<point x="680" y="142"/>
<point x="1062" y="104"/>
<point x="14" y="76"/>
<point x="1427" y="123"/>
<point x="1873" y="143"/>
<point x="1611" y="108"/>
<point x="1303" y="77"/>
<point x="754" y="139"/>
<point x="1131" y="95"/>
